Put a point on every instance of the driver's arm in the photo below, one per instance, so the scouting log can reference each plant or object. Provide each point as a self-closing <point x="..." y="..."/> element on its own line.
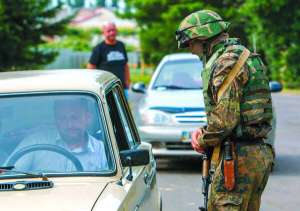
<point x="29" y="161"/>
<point x="25" y="163"/>
<point x="103" y="157"/>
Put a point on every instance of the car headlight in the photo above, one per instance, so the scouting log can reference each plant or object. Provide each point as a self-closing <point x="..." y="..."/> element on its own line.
<point x="155" y="117"/>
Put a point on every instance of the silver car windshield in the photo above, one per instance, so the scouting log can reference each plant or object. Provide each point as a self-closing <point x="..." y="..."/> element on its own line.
<point x="53" y="133"/>
<point x="180" y="74"/>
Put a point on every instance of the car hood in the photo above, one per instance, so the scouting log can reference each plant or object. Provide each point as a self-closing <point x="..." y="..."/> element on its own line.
<point x="67" y="194"/>
<point x="174" y="98"/>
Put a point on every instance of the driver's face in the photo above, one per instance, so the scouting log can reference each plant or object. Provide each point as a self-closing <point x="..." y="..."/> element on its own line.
<point x="72" y="122"/>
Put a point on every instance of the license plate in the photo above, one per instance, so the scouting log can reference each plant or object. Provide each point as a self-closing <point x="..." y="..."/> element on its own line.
<point x="186" y="136"/>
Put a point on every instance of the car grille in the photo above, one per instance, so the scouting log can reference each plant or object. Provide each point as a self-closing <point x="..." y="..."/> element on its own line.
<point x="178" y="146"/>
<point x="28" y="185"/>
<point x="185" y="115"/>
<point x="191" y="118"/>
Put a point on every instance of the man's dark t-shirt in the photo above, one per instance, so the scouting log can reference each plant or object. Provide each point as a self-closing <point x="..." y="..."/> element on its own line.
<point x="112" y="58"/>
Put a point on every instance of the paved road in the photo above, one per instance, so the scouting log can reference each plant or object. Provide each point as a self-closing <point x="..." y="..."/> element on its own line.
<point x="180" y="181"/>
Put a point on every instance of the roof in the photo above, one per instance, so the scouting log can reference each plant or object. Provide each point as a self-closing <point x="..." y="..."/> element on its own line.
<point x="176" y="56"/>
<point x="54" y="80"/>
<point x="96" y="17"/>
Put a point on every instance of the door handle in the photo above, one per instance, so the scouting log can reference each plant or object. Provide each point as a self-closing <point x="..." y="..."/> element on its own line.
<point x="146" y="178"/>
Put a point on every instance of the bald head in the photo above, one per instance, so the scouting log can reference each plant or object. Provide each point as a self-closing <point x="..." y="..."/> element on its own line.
<point x="109" y="30"/>
<point x="108" y="25"/>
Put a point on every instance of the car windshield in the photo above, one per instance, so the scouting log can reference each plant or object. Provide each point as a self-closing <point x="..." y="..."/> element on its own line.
<point x="180" y="74"/>
<point x="53" y="134"/>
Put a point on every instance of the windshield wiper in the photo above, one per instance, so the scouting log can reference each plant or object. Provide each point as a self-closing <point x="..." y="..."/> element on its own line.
<point x="174" y="87"/>
<point x="10" y="169"/>
<point x="169" y="87"/>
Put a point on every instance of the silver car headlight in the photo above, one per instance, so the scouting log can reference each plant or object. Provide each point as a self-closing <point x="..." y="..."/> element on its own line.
<point x="155" y="117"/>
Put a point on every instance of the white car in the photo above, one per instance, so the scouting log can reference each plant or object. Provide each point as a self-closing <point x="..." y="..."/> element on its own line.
<point x="172" y="106"/>
<point x="68" y="142"/>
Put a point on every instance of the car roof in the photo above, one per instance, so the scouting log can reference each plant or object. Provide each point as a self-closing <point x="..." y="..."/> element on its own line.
<point x="180" y="56"/>
<point x="55" y="80"/>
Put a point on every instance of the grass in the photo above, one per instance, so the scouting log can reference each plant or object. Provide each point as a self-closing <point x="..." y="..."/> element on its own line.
<point x="139" y="75"/>
<point x="291" y="91"/>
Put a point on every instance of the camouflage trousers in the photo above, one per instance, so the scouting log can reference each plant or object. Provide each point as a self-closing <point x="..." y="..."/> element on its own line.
<point x="254" y="163"/>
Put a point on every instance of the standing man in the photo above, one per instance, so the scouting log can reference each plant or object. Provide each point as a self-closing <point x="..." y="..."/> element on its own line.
<point x="239" y="112"/>
<point x="111" y="55"/>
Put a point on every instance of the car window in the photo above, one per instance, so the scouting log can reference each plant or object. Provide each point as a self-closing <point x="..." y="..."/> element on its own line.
<point x="180" y="74"/>
<point x="128" y="123"/>
<point x="121" y="120"/>
<point x="116" y="122"/>
<point x="60" y="133"/>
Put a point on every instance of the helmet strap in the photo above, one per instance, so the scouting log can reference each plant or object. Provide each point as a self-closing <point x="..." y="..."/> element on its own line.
<point x="205" y="52"/>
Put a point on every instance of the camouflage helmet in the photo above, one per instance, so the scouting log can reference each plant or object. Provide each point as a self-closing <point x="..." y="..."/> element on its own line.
<point x="202" y="25"/>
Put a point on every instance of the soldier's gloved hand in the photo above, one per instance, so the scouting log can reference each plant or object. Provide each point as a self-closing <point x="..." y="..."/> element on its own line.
<point x="195" y="141"/>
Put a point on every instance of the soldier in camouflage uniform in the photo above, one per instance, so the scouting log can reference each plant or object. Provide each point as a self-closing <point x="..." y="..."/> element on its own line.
<point x="243" y="113"/>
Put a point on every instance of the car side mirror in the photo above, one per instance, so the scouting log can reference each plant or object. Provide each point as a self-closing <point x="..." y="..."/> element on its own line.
<point x="139" y="87"/>
<point x="275" y="86"/>
<point x="135" y="157"/>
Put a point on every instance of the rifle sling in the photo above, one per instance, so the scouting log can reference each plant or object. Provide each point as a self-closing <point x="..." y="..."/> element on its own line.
<point x="231" y="76"/>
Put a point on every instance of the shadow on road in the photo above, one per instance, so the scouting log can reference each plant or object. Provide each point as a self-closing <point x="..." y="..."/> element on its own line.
<point x="287" y="165"/>
<point x="179" y="166"/>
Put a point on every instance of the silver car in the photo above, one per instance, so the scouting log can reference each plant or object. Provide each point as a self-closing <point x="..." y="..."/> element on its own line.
<point x="173" y="106"/>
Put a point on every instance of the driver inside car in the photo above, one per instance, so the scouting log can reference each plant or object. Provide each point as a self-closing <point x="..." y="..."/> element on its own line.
<point x="72" y="119"/>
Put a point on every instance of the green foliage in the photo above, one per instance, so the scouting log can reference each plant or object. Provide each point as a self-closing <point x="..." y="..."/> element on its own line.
<point x="22" y="27"/>
<point x="80" y="39"/>
<point x="159" y="20"/>
<point x="136" y="75"/>
<point x="76" y="3"/>
<point x="277" y="28"/>
<point x="100" y="3"/>
<point x="75" y="39"/>
<point x="271" y="26"/>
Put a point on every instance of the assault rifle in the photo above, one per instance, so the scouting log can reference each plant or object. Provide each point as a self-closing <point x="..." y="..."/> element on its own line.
<point x="228" y="171"/>
<point x="206" y="180"/>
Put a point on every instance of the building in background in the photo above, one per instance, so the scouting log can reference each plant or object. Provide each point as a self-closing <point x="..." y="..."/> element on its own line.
<point x="96" y="17"/>
<point x="113" y="4"/>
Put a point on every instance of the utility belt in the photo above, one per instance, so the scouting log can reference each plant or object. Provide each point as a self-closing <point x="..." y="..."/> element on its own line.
<point x="241" y="141"/>
<point x="226" y="154"/>
<point x="247" y="141"/>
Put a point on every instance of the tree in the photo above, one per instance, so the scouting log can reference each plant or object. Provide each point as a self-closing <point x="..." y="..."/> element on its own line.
<point x="276" y="26"/>
<point x="270" y="26"/>
<point x="23" y="25"/>
<point x="158" y="21"/>
<point x="101" y="3"/>
<point x="76" y="3"/>
<point x="115" y="3"/>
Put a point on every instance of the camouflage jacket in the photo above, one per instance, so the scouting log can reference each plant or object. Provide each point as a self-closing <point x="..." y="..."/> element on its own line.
<point x="224" y="116"/>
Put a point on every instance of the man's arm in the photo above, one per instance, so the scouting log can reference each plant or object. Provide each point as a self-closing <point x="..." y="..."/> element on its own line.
<point x="127" y="76"/>
<point x="94" y="59"/>
<point x="91" y="66"/>
<point x="126" y="69"/>
<point x="226" y="113"/>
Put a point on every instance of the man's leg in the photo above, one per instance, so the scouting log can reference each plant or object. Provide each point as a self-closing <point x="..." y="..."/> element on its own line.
<point x="254" y="164"/>
<point x="267" y="156"/>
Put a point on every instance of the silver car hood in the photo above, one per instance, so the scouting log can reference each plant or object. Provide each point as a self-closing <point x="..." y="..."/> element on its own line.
<point x="174" y="98"/>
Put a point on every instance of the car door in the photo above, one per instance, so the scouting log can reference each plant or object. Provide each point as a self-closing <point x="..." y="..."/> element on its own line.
<point x="142" y="191"/>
